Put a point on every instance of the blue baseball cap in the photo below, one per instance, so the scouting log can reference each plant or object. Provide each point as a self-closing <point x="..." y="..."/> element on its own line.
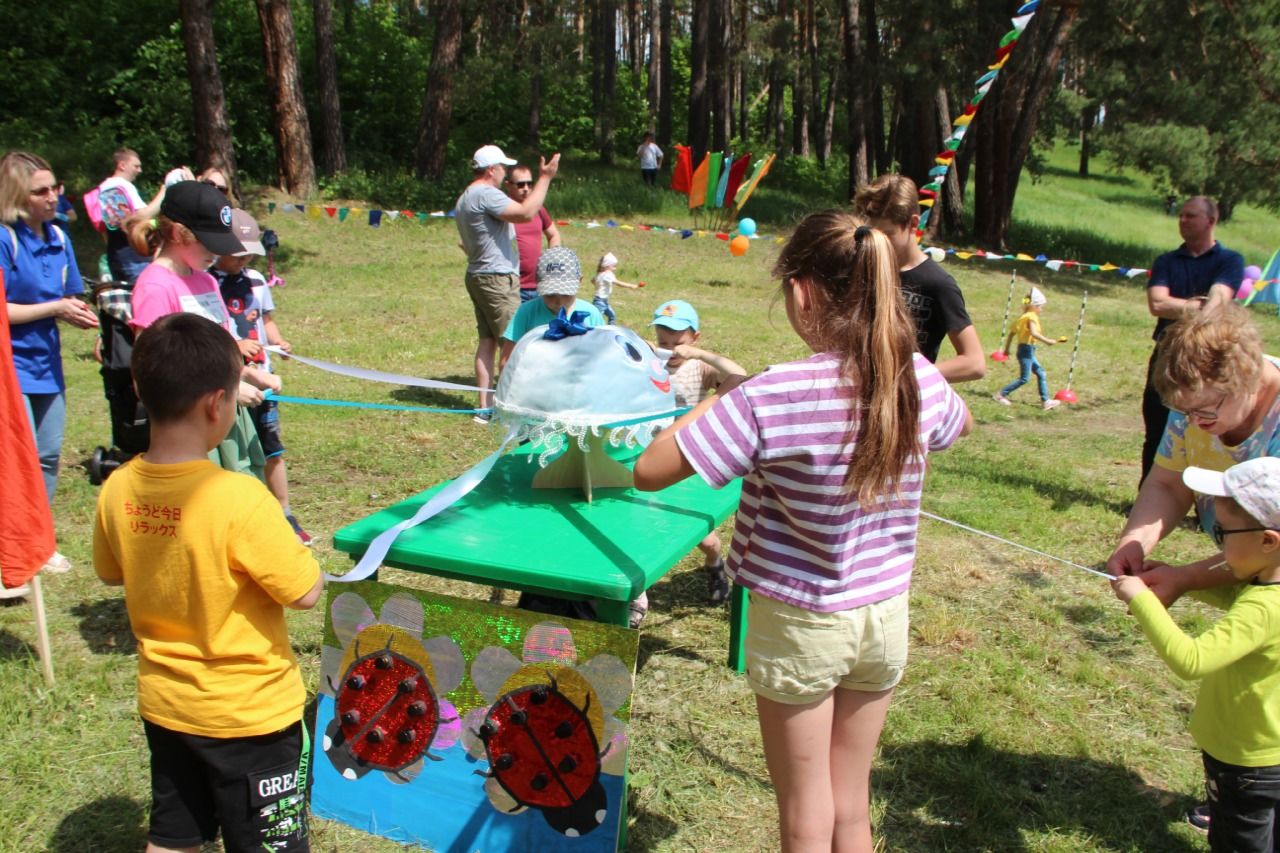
<point x="676" y="315"/>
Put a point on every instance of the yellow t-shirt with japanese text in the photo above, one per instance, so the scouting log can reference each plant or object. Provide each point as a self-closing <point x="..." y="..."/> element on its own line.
<point x="208" y="563"/>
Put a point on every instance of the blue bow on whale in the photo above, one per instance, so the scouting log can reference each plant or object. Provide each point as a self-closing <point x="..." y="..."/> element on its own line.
<point x="562" y="326"/>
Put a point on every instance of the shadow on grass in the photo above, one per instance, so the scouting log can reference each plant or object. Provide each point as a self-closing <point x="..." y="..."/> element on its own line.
<point x="646" y="830"/>
<point x="104" y="625"/>
<point x="976" y="797"/>
<point x="13" y="647"/>
<point x="105" y="825"/>
<point x="1073" y="174"/>
<point x="1063" y="495"/>
<point x="438" y="397"/>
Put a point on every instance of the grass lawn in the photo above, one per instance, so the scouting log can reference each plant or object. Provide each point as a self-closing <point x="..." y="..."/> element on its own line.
<point x="1033" y="715"/>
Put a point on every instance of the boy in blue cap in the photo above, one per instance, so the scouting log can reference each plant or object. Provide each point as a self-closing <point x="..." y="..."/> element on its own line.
<point x="695" y="373"/>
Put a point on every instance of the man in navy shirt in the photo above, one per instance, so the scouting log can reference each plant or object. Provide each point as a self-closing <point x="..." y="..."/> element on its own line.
<point x="1199" y="273"/>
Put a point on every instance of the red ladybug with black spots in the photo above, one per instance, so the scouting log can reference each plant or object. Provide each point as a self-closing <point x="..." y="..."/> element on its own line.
<point x="543" y="751"/>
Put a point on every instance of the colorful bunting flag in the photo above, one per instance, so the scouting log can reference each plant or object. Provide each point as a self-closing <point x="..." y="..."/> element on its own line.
<point x="698" y="184"/>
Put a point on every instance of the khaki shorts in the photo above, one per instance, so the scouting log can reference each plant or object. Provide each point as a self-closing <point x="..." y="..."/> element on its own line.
<point x="495" y="298"/>
<point x="796" y="656"/>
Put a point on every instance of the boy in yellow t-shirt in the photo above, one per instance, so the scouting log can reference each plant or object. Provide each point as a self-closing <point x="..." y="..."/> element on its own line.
<point x="1027" y="331"/>
<point x="1236" y="721"/>
<point x="208" y="564"/>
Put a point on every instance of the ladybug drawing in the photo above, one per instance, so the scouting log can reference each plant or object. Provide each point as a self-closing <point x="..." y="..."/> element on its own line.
<point x="389" y="709"/>
<point x="548" y="733"/>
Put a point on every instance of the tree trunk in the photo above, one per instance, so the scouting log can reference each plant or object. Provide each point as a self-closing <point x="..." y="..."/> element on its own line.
<point x="718" y="71"/>
<point x="800" y="81"/>
<point x="653" y="66"/>
<point x="606" y="58"/>
<point x="1086" y="124"/>
<point x="332" y="145"/>
<point x="742" y="56"/>
<point x="437" y="101"/>
<point x="533" y="132"/>
<point x="635" y="37"/>
<point x="859" y="165"/>
<point x="948" y="212"/>
<point x="664" y="82"/>
<point x="699" y="121"/>
<point x="781" y="45"/>
<point x="878" y="146"/>
<point x="214" y="147"/>
<point x="1007" y="121"/>
<point x="295" y="165"/>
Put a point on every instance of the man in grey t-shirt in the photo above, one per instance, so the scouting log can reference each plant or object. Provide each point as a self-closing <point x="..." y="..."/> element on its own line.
<point x="484" y="214"/>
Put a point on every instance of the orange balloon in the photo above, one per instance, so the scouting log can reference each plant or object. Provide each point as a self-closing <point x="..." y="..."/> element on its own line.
<point x="738" y="246"/>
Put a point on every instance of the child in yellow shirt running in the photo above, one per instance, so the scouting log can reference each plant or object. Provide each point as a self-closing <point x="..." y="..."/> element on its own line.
<point x="208" y="563"/>
<point x="1027" y="331"/>
<point x="1236" y="721"/>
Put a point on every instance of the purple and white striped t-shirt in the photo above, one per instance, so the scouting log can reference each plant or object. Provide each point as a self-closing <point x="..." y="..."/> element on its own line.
<point x="800" y="536"/>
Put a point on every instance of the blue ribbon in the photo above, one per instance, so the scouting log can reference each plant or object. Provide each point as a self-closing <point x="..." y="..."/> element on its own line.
<point x="562" y="327"/>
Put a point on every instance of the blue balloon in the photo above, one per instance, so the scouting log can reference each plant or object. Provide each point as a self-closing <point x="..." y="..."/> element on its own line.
<point x="747" y="227"/>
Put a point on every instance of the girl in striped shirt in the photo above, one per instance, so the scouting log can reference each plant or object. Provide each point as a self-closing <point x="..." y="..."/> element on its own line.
<point x="832" y="453"/>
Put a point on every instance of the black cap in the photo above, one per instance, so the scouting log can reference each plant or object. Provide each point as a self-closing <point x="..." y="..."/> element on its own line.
<point x="206" y="211"/>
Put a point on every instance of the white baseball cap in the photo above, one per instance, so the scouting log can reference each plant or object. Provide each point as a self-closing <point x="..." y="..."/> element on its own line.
<point x="490" y="155"/>
<point x="1254" y="484"/>
<point x="609" y="260"/>
<point x="1036" y="297"/>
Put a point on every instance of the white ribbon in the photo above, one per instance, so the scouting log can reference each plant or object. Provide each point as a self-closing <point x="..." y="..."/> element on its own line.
<point x="374" y="375"/>
<point x="439" y="502"/>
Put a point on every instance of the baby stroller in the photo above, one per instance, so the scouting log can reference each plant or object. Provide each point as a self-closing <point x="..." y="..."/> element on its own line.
<point x="130" y="433"/>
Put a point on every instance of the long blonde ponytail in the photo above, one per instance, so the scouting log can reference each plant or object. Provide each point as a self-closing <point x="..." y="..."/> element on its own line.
<point x="860" y="314"/>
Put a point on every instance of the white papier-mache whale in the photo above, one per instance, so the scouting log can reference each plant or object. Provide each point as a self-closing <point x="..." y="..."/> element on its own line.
<point x="581" y="385"/>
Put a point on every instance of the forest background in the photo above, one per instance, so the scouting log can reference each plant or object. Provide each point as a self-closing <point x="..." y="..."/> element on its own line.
<point x="384" y="100"/>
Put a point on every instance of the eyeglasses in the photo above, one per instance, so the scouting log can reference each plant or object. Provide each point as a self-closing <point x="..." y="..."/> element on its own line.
<point x="521" y="184"/>
<point x="1219" y="533"/>
<point x="43" y="191"/>
<point x="1203" y="414"/>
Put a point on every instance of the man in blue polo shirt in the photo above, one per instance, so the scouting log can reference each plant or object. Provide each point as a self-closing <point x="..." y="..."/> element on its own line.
<point x="1199" y="273"/>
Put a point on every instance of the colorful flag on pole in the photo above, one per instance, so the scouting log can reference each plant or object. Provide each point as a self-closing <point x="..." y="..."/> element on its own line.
<point x="713" y="176"/>
<point x="682" y="174"/>
<point x="736" y="173"/>
<point x="761" y="170"/>
<point x="698" y="184"/>
<point x="726" y="168"/>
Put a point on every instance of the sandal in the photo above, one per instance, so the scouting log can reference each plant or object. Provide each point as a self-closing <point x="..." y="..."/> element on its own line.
<point x="639" y="608"/>
<point x="718" y="583"/>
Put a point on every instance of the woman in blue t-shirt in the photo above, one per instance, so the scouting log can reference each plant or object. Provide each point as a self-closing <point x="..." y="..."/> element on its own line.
<point x="42" y="282"/>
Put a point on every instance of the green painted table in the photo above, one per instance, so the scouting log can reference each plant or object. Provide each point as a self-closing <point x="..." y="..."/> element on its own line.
<point x="506" y="533"/>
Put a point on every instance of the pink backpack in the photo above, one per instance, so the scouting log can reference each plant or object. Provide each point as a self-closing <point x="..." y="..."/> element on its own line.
<point x="94" y="210"/>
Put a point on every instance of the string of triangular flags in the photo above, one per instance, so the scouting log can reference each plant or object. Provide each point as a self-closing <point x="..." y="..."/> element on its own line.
<point x="376" y="216"/>
<point x="942" y="163"/>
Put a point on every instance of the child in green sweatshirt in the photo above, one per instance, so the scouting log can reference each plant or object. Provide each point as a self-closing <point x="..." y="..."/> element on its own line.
<point x="1236" y="721"/>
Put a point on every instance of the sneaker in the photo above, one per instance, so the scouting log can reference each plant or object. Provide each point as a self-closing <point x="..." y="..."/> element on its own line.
<point x="717" y="583"/>
<point x="482" y="419"/>
<point x="303" y="536"/>
<point x="1199" y="817"/>
<point x="1050" y="405"/>
<point x="14" y="593"/>
<point x="57" y="564"/>
<point x="1001" y="399"/>
<point x="639" y="608"/>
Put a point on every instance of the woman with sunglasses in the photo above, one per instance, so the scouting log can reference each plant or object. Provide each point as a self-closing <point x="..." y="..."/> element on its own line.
<point x="42" y="282"/>
<point x="216" y="178"/>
